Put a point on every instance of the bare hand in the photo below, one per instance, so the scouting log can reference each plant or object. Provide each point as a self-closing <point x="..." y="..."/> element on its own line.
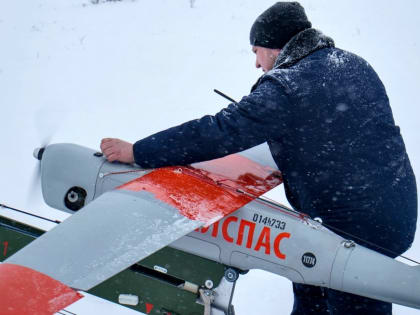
<point x="117" y="150"/>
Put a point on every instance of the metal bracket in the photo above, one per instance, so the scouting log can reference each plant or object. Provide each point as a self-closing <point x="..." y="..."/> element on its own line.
<point x="208" y="298"/>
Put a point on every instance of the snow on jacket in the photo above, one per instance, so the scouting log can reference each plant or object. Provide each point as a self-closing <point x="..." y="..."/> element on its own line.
<point x="326" y="117"/>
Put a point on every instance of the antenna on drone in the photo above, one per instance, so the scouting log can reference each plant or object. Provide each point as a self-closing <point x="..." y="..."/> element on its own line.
<point x="225" y="96"/>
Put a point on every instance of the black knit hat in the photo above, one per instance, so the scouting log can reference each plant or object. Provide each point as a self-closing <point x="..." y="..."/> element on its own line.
<point x="278" y="24"/>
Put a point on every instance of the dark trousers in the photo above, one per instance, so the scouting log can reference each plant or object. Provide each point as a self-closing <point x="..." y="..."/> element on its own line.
<point x="322" y="301"/>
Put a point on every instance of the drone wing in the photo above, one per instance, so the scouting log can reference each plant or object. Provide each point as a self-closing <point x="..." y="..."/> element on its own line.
<point x="125" y="225"/>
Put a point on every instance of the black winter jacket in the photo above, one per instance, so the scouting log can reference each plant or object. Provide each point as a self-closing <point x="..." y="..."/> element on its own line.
<point x="326" y="117"/>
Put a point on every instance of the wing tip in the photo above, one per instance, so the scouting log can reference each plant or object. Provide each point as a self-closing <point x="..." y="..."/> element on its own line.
<point x="26" y="291"/>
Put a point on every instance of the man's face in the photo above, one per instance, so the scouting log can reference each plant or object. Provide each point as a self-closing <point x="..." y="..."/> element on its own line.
<point x="265" y="57"/>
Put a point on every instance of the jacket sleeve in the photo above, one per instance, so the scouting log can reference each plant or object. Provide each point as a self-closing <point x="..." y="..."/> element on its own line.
<point x="258" y="117"/>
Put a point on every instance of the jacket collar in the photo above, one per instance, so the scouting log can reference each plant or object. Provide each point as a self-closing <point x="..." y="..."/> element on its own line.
<point x="300" y="46"/>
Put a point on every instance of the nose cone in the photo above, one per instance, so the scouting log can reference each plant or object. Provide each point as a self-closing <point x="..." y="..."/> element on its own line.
<point x="38" y="153"/>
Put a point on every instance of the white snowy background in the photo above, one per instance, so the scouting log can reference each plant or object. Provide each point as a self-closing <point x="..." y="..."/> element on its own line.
<point x="73" y="71"/>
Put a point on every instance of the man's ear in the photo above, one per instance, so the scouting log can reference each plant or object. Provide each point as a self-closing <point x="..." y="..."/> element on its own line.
<point x="276" y="52"/>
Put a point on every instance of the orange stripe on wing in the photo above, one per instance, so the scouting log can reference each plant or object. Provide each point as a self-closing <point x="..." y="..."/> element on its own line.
<point x="26" y="291"/>
<point x="239" y="172"/>
<point x="200" y="193"/>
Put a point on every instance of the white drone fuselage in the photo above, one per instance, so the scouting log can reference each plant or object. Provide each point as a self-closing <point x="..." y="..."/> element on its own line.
<point x="260" y="235"/>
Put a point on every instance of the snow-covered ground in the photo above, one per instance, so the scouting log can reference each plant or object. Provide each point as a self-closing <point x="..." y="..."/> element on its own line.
<point x="79" y="71"/>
